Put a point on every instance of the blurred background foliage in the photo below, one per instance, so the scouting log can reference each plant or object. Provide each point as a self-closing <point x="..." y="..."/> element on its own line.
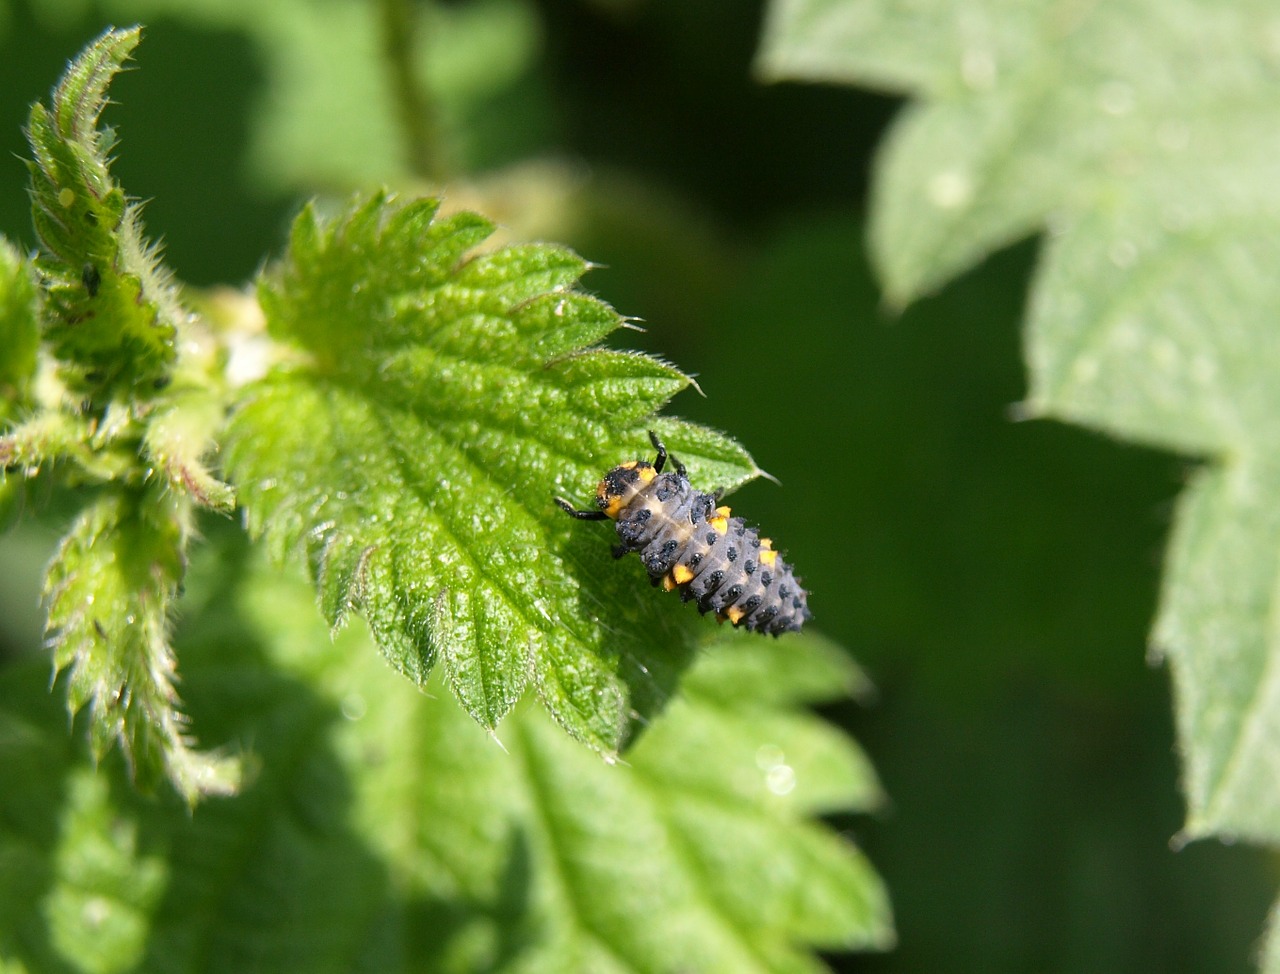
<point x="997" y="578"/>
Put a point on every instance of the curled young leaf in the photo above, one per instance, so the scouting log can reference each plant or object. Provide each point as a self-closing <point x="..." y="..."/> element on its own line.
<point x="112" y="312"/>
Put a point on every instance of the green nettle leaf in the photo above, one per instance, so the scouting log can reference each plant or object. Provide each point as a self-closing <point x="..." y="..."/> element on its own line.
<point x="113" y="312"/>
<point x="1028" y="115"/>
<point x="539" y="839"/>
<point x="1146" y="137"/>
<point x="438" y="400"/>
<point x="387" y="831"/>
<point x="1179" y="349"/>
<point x="109" y="589"/>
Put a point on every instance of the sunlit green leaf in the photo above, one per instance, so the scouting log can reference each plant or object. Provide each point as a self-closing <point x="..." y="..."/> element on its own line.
<point x="441" y="399"/>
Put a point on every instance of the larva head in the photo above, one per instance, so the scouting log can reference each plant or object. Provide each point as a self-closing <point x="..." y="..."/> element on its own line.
<point x="621" y="484"/>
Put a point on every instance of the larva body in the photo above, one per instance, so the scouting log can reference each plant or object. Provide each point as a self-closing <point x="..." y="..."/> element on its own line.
<point x="687" y="542"/>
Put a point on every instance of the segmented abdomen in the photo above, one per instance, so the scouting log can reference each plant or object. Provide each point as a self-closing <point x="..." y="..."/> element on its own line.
<point x="715" y="560"/>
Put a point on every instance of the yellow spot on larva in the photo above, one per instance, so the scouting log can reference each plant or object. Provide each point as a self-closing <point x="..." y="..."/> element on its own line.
<point x="618" y="487"/>
<point x="668" y="583"/>
<point x="735" y="614"/>
<point x="766" y="543"/>
<point x="722" y="512"/>
<point x="682" y="574"/>
<point x="767" y="556"/>
<point x="719" y="524"/>
<point x="66" y="196"/>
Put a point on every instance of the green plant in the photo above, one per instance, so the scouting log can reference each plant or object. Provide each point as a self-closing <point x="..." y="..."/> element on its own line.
<point x="585" y="779"/>
<point x="415" y="403"/>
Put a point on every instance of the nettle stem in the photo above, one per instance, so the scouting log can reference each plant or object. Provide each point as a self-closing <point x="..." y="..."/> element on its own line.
<point x="419" y="116"/>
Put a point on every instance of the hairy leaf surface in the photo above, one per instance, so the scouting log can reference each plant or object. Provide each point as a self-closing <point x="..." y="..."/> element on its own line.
<point x="439" y="399"/>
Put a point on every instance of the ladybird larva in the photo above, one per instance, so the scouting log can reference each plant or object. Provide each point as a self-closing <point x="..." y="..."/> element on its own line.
<point x="690" y="543"/>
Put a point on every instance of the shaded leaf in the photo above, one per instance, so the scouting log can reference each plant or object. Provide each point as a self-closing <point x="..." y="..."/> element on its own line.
<point x="270" y="881"/>
<point x="36" y="754"/>
<point x="1144" y="135"/>
<point x="540" y="838"/>
<point x="386" y="831"/>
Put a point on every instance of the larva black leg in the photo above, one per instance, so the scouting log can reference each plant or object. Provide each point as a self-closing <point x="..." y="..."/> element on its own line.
<point x="572" y="511"/>
<point x="661" y="460"/>
<point x="620" y="551"/>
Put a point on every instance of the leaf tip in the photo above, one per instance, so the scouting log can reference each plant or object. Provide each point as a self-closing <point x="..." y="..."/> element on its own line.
<point x="493" y="736"/>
